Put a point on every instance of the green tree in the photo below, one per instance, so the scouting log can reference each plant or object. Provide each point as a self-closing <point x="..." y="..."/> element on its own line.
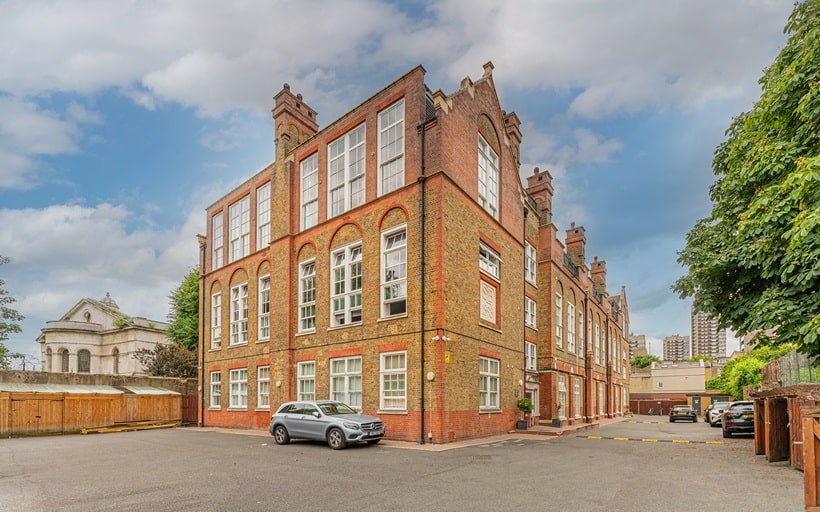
<point x="754" y="263"/>
<point x="9" y="321"/>
<point x="644" y="360"/>
<point x="184" y="315"/>
<point x="745" y="370"/>
<point x="172" y="360"/>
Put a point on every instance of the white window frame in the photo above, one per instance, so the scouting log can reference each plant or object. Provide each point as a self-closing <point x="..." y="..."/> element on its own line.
<point x="263" y="308"/>
<point x="489" y="384"/>
<point x="346" y="381"/>
<point x="239" y="315"/>
<point x="530" y="356"/>
<point x="582" y="334"/>
<point x="238" y="378"/>
<point x="530" y="265"/>
<point x="394" y="272"/>
<point x="489" y="261"/>
<point x="570" y="327"/>
<point x="559" y="320"/>
<point x="530" y="315"/>
<point x="216" y="391"/>
<point x="346" y="285"/>
<point x="346" y="171"/>
<point x="307" y="296"/>
<point x="576" y="396"/>
<point x="263" y="387"/>
<point x="597" y="344"/>
<point x="393" y="381"/>
<point x="601" y="399"/>
<point x="391" y="147"/>
<point x="487" y="177"/>
<point x="562" y="395"/>
<point x="216" y="321"/>
<point x="309" y="181"/>
<point x="263" y="216"/>
<point x="218" y="237"/>
<point x="306" y="380"/>
<point x="240" y="228"/>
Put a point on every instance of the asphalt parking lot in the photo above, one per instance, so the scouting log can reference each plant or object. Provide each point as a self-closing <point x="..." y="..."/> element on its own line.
<point x="202" y="470"/>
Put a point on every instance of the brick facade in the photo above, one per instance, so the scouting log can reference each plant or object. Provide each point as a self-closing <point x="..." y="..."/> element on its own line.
<point x="458" y="332"/>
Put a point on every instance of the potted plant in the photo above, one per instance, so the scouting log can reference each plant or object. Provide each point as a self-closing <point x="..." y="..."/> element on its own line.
<point x="524" y="405"/>
<point x="556" y="418"/>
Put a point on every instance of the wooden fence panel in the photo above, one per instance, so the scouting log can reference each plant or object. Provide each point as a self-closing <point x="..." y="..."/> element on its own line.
<point x="811" y="472"/>
<point x="190" y="409"/>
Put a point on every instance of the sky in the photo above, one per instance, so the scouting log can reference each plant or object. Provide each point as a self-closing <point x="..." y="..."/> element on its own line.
<point x="121" y="121"/>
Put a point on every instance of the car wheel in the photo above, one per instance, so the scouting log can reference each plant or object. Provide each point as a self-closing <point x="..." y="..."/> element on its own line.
<point x="280" y="435"/>
<point x="695" y="419"/>
<point x="374" y="441"/>
<point x="336" y="439"/>
<point x="713" y="424"/>
<point x="727" y="434"/>
<point x="671" y="420"/>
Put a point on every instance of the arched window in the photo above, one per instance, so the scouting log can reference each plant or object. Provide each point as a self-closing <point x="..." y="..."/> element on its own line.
<point x="48" y="360"/>
<point x="87" y="316"/>
<point x="84" y="361"/>
<point x="116" y="363"/>
<point x="64" y="361"/>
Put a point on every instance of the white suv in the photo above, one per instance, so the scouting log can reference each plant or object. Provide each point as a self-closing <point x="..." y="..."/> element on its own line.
<point x="716" y="412"/>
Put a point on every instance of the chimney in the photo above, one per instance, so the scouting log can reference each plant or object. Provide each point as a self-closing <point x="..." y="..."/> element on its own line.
<point x="539" y="187"/>
<point x="576" y="245"/>
<point x="598" y="274"/>
<point x="294" y="121"/>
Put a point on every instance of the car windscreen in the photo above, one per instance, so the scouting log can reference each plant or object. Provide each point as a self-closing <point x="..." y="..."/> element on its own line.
<point x="743" y="407"/>
<point x="334" y="409"/>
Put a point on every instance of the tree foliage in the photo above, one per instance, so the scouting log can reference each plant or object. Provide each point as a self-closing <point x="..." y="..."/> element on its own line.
<point x="754" y="263"/>
<point x="644" y="360"/>
<point x="745" y="370"/>
<point x="184" y="314"/>
<point x="172" y="360"/>
<point x="9" y="320"/>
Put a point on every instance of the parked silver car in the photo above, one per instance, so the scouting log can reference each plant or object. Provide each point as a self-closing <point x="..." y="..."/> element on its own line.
<point x="324" y="420"/>
<point x="716" y="412"/>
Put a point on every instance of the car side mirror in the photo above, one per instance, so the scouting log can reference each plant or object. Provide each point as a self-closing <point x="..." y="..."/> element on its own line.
<point x="317" y="414"/>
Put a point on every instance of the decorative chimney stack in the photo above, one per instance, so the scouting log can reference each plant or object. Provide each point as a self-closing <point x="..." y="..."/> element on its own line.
<point x="539" y="187"/>
<point x="294" y="120"/>
<point x="598" y="274"/>
<point x="576" y="242"/>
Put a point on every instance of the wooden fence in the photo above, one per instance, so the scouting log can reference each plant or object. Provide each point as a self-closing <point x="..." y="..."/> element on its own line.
<point x="26" y="413"/>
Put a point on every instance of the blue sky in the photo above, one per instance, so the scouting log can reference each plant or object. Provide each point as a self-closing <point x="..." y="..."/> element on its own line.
<point x="121" y="121"/>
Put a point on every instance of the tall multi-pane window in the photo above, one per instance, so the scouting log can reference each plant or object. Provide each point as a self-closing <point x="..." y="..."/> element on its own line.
<point x="263" y="216"/>
<point x="597" y="344"/>
<point x="263" y="387"/>
<point x="309" y="172"/>
<point x="529" y="263"/>
<point x="239" y="314"/>
<point x="240" y="225"/>
<point x="217" y="235"/>
<point x="393" y="373"/>
<point x="216" y="321"/>
<point x="487" y="177"/>
<point x="576" y="396"/>
<point x="581" y="334"/>
<point x="84" y="361"/>
<point x="562" y="395"/>
<point x="264" y="307"/>
<point x="489" y="261"/>
<point x="570" y="327"/>
<point x="345" y="171"/>
<point x="346" y="286"/>
<point x="529" y="312"/>
<point x="601" y="401"/>
<point x="346" y="381"/>
<point x="559" y="321"/>
<point x="239" y="388"/>
<point x="488" y="384"/>
<point x="394" y="273"/>
<point x="307" y="296"/>
<point x="216" y="390"/>
<point x="306" y="380"/>
<point x="530" y="356"/>
<point x="391" y="147"/>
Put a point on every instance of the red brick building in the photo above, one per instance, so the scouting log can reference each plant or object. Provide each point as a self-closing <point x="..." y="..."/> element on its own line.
<point x="381" y="261"/>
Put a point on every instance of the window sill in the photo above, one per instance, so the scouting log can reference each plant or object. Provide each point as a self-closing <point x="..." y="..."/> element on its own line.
<point x="214" y="408"/>
<point x="306" y="332"/>
<point x="244" y="344"/>
<point x="386" y="412"/>
<point x="394" y="317"/>
<point x="491" y="410"/>
<point x="237" y="409"/>
<point x="490" y="327"/>
<point x="337" y="327"/>
<point x="215" y="349"/>
<point x="264" y="340"/>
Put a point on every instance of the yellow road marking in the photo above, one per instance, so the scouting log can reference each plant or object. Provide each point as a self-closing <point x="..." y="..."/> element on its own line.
<point x="682" y="441"/>
<point x="621" y="438"/>
<point x="649" y="440"/>
<point x="594" y="437"/>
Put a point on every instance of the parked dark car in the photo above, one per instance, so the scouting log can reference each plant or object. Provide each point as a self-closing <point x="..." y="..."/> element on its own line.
<point x="335" y="423"/>
<point x="682" y="412"/>
<point x="738" y="418"/>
